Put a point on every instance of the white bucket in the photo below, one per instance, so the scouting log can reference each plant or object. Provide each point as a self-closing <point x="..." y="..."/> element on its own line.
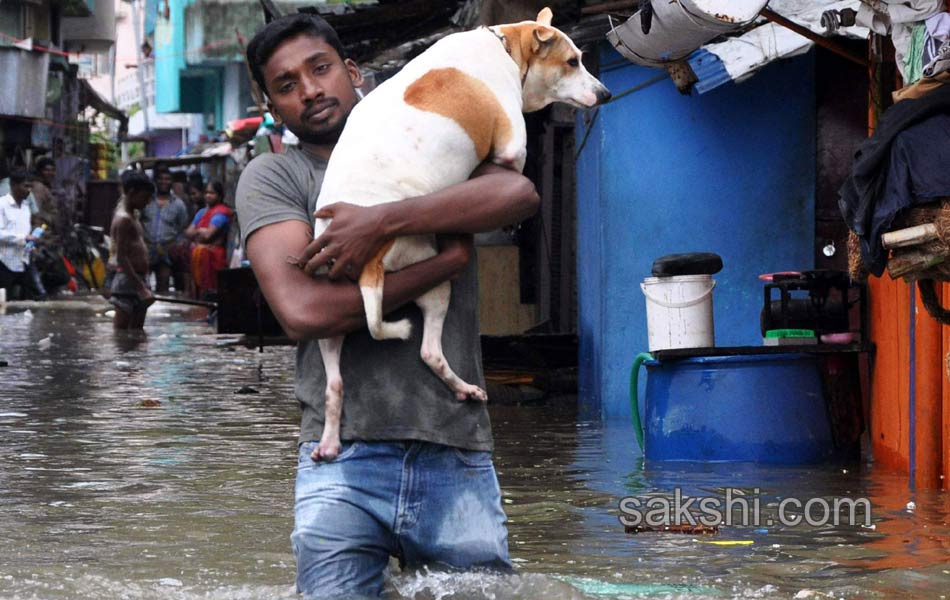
<point x="679" y="27"/>
<point x="679" y="311"/>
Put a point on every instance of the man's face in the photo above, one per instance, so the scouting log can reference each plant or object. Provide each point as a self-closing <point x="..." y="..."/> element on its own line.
<point x="139" y="199"/>
<point x="311" y="89"/>
<point x="48" y="174"/>
<point x="163" y="183"/>
<point x="21" y="190"/>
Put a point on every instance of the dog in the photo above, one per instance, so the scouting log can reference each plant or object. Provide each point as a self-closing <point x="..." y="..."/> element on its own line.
<point x="457" y="104"/>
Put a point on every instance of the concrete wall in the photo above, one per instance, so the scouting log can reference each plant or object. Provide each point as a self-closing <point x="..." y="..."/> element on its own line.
<point x="731" y="172"/>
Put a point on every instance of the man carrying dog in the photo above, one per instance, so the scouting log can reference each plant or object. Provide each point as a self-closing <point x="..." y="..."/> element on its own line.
<point x="414" y="478"/>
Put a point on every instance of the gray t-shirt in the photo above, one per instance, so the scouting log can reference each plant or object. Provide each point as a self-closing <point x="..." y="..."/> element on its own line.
<point x="388" y="392"/>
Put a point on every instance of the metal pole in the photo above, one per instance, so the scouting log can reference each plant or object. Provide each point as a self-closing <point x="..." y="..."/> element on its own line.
<point x="811" y="35"/>
<point x="140" y="67"/>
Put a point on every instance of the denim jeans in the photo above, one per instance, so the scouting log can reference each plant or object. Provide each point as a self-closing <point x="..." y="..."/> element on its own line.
<point x="426" y="504"/>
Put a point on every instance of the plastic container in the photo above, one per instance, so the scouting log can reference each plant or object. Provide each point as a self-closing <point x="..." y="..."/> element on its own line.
<point x="39" y="231"/>
<point x="767" y="408"/>
<point x="679" y="312"/>
<point x="680" y="27"/>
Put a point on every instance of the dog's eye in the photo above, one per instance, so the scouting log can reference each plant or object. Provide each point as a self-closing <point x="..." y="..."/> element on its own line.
<point x="573" y="63"/>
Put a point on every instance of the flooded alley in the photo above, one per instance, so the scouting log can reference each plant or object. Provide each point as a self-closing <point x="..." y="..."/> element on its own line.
<point x="162" y="466"/>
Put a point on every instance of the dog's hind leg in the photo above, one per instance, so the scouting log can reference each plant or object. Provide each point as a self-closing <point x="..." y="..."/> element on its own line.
<point x="435" y="305"/>
<point x="371" y="287"/>
<point x="329" y="447"/>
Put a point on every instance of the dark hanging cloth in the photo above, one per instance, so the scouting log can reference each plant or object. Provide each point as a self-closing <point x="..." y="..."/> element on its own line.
<point x="869" y="201"/>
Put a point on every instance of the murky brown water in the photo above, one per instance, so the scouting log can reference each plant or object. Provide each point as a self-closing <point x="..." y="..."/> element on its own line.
<point x="131" y="468"/>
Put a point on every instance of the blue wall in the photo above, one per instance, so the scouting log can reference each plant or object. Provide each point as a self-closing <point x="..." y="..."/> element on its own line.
<point x="170" y="57"/>
<point x="731" y="172"/>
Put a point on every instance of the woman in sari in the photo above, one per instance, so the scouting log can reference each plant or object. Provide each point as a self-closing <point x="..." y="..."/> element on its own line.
<point x="209" y="232"/>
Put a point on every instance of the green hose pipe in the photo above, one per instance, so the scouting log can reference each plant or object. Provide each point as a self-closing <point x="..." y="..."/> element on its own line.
<point x="634" y="404"/>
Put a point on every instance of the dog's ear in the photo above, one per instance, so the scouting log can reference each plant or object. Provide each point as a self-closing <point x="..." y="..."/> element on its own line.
<point x="545" y="16"/>
<point x="542" y="36"/>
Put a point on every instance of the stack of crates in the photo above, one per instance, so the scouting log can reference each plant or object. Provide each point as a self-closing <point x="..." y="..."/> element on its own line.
<point x="101" y="160"/>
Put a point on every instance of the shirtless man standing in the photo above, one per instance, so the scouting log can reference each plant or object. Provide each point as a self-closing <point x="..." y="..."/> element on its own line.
<point x="130" y="294"/>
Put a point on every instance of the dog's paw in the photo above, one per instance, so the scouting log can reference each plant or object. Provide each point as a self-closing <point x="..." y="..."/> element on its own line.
<point x="471" y="392"/>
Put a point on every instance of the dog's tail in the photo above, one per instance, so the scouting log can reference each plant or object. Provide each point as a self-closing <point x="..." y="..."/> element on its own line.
<point x="371" y="287"/>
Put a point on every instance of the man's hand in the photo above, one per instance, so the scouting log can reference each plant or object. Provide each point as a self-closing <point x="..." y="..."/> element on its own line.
<point x="459" y="247"/>
<point x="355" y="235"/>
<point x="146" y="296"/>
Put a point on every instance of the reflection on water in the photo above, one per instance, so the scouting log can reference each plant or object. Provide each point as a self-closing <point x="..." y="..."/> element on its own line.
<point x="161" y="466"/>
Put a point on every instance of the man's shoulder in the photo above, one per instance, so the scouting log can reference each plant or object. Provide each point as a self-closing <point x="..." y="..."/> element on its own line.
<point x="122" y="221"/>
<point x="271" y="164"/>
<point x="275" y="188"/>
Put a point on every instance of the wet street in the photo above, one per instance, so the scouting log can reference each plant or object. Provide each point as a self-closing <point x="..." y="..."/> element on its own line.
<point x="162" y="466"/>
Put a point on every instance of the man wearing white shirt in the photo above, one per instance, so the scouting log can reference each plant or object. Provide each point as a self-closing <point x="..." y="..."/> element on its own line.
<point x="15" y="233"/>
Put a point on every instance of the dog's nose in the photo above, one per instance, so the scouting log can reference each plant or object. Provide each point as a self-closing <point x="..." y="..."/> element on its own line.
<point x="603" y="95"/>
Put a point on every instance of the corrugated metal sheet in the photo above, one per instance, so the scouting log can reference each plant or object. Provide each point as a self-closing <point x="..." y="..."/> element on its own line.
<point x="709" y="69"/>
<point x="23" y="77"/>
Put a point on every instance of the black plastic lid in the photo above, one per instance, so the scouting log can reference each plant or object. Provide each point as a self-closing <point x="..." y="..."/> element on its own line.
<point x="690" y="263"/>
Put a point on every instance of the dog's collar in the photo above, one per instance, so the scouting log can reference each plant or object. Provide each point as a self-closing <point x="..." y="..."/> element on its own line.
<point x="502" y="39"/>
<point x="504" y="43"/>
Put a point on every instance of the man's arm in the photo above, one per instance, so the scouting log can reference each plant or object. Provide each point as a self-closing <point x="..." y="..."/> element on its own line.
<point x="207" y="235"/>
<point x="316" y="307"/>
<point x="182" y="218"/>
<point x="494" y="197"/>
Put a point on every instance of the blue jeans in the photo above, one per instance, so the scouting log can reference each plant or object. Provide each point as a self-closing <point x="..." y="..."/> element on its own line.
<point x="426" y="504"/>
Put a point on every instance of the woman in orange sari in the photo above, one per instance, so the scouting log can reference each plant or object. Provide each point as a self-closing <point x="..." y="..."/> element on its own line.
<point x="209" y="232"/>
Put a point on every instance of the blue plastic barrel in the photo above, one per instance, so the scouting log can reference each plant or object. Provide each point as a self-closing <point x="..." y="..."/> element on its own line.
<point x="763" y="408"/>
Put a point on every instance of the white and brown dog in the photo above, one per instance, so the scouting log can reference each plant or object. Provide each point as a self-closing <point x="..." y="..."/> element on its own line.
<point x="454" y="106"/>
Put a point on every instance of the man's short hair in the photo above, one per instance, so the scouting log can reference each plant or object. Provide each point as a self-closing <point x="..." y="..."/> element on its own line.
<point x="42" y="163"/>
<point x="272" y="35"/>
<point x="133" y="181"/>
<point x="20" y="175"/>
<point x="160" y="169"/>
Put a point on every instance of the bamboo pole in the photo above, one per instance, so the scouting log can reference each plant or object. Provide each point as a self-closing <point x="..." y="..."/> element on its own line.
<point x="173" y="300"/>
<point x="911" y="261"/>
<point x="910" y="236"/>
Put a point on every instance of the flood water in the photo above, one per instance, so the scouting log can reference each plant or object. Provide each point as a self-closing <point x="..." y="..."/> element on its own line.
<point x="132" y="467"/>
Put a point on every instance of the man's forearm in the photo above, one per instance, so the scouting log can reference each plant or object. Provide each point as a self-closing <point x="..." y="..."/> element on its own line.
<point x="10" y="238"/>
<point x="480" y="204"/>
<point x="338" y="308"/>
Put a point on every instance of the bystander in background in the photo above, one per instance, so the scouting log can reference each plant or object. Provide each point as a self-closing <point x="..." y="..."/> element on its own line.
<point x="16" y="240"/>
<point x="209" y="232"/>
<point x="129" y="291"/>
<point x="164" y="220"/>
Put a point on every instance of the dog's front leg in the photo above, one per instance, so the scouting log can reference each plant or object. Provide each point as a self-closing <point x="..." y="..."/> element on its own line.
<point x="329" y="447"/>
